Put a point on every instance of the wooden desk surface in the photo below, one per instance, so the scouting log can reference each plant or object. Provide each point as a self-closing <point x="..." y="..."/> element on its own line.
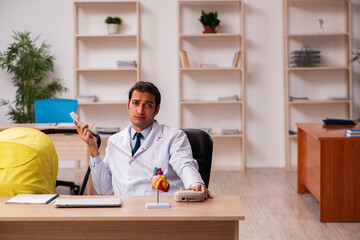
<point x="221" y="208"/>
<point x="321" y="131"/>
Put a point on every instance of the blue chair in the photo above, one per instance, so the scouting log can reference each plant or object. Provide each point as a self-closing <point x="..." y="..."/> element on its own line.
<point x="56" y="110"/>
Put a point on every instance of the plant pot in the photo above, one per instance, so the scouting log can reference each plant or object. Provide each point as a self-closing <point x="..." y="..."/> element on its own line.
<point x="113" y="28"/>
<point x="209" y="29"/>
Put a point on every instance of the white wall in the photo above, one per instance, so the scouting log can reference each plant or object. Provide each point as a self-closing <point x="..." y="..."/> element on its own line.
<point x="53" y="19"/>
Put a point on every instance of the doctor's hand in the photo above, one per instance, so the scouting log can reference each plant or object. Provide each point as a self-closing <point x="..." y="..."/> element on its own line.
<point x="88" y="138"/>
<point x="202" y="188"/>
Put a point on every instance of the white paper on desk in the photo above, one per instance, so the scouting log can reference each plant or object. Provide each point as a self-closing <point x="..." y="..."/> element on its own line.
<point x="33" y="198"/>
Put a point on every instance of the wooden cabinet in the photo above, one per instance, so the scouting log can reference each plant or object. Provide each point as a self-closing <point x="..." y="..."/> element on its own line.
<point x="96" y="71"/>
<point x="211" y="75"/>
<point x="314" y="91"/>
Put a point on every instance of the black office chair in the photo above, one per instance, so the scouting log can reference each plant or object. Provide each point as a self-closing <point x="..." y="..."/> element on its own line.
<point x="74" y="189"/>
<point x="201" y="147"/>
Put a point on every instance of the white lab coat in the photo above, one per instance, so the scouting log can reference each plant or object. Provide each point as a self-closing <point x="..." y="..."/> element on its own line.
<point x="165" y="147"/>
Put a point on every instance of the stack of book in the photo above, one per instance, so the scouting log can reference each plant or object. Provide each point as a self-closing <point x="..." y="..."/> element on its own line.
<point x="86" y="98"/>
<point x="291" y="98"/>
<point x="352" y="132"/>
<point x="230" y="131"/>
<point x="126" y="64"/>
<point x="228" y="98"/>
<point x="107" y="130"/>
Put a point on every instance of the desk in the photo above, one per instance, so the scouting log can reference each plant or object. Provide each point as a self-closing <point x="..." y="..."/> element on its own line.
<point x="329" y="168"/>
<point x="216" y="218"/>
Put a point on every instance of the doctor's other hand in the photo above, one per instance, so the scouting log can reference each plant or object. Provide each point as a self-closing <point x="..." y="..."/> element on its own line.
<point x="202" y="188"/>
<point x="90" y="140"/>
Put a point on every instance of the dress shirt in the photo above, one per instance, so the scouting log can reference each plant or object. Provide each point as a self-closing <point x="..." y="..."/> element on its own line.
<point x="144" y="133"/>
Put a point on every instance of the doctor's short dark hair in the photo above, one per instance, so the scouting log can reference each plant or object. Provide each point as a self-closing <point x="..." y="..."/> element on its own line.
<point x="149" y="88"/>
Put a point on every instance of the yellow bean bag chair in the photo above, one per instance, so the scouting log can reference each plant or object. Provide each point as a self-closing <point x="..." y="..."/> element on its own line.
<point x="28" y="162"/>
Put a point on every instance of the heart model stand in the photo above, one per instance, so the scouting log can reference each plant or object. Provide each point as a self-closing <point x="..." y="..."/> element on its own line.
<point x="161" y="184"/>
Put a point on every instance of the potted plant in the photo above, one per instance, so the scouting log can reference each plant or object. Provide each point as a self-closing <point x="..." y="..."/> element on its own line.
<point x="30" y="64"/>
<point x="113" y="24"/>
<point x="210" y="21"/>
<point x="356" y="56"/>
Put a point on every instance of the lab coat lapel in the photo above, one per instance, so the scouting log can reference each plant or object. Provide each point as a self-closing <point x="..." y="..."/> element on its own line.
<point x="125" y="140"/>
<point x="154" y="136"/>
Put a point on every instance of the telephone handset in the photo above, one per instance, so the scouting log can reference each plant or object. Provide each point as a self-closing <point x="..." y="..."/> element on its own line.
<point x="76" y="119"/>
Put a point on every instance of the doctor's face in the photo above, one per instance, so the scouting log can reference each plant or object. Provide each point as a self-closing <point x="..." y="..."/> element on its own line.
<point x="142" y="110"/>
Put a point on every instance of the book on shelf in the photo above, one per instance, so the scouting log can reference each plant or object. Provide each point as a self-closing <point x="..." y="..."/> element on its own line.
<point x="230" y="131"/>
<point x="126" y="64"/>
<point x="33" y="198"/>
<point x="184" y="59"/>
<point x="107" y="130"/>
<point x="190" y="100"/>
<point x="338" y="98"/>
<point x="208" y="65"/>
<point x="297" y="98"/>
<point x="86" y="98"/>
<point x="236" y="59"/>
<point x="291" y="132"/>
<point x="232" y="98"/>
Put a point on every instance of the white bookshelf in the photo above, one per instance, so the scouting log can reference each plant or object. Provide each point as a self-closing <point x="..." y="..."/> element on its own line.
<point x="328" y="85"/>
<point x="197" y="108"/>
<point x="95" y="55"/>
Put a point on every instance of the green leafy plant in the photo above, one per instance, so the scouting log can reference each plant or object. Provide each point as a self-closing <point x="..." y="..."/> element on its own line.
<point x="30" y="65"/>
<point x="209" y="19"/>
<point x="356" y="57"/>
<point x="113" y="20"/>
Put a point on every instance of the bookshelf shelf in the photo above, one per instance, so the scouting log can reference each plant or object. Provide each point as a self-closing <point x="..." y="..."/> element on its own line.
<point x="85" y="36"/>
<point x="196" y="48"/>
<point x="105" y="69"/>
<point x="216" y="35"/>
<point x="318" y="102"/>
<point x="208" y="1"/>
<point x="96" y="56"/>
<point x="330" y="77"/>
<point x="102" y="103"/>
<point x="210" y="102"/>
<point x="210" y="69"/>
<point x="292" y="136"/>
<point x="218" y="135"/>
<point x="315" y="35"/>
<point x="318" y="68"/>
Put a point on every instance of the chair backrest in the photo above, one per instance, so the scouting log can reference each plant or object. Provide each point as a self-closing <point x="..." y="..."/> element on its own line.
<point x="56" y="110"/>
<point x="202" y="149"/>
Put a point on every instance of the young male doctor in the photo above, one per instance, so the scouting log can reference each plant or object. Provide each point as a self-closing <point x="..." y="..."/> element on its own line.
<point x="151" y="143"/>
